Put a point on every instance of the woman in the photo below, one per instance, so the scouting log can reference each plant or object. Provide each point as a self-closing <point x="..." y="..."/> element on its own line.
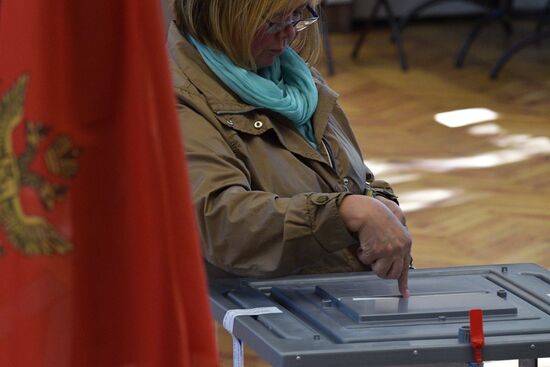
<point x="278" y="179"/>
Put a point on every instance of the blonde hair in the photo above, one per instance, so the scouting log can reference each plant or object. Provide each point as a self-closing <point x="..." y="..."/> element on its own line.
<point x="229" y="26"/>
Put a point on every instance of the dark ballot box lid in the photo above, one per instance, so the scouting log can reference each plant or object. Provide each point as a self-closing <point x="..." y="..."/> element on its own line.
<point x="358" y="319"/>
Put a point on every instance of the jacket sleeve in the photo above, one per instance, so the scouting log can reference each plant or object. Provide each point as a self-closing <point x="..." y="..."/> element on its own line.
<point x="254" y="233"/>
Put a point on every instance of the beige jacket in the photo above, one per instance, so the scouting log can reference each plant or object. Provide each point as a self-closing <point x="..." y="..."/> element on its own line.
<point x="266" y="201"/>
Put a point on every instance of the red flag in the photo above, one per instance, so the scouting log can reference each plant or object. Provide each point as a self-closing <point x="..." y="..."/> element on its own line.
<point x="99" y="257"/>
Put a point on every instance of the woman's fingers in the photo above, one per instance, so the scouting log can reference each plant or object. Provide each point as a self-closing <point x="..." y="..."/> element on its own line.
<point x="385" y="242"/>
<point x="403" y="281"/>
<point x="388" y="268"/>
<point x="395" y="209"/>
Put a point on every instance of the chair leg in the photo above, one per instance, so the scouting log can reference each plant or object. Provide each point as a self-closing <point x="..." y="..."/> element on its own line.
<point x="327" y="48"/>
<point x="468" y="42"/>
<point x="395" y="32"/>
<point x="529" y="40"/>
<point x="396" y="35"/>
<point x="544" y="19"/>
<point x="494" y="14"/>
<point x="414" y="12"/>
<point x="504" y="17"/>
<point x="363" y="35"/>
<point x="498" y="11"/>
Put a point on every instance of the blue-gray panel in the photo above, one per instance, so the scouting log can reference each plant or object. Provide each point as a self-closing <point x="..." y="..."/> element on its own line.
<point x="359" y="320"/>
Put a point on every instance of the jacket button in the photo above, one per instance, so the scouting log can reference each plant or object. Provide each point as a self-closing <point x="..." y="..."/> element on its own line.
<point x="345" y="181"/>
<point x="322" y="199"/>
<point x="258" y="124"/>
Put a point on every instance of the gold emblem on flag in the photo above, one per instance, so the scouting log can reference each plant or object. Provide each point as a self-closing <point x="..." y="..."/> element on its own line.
<point x="31" y="234"/>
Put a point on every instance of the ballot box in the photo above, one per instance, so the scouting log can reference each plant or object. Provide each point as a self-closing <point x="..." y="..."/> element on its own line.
<point x="359" y="320"/>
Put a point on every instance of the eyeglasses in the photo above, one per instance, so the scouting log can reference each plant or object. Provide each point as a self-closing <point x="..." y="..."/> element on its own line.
<point x="297" y="21"/>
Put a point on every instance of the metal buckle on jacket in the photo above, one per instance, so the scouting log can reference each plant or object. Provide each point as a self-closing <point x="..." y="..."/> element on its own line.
<point x="375" y="191"/>
<point x="385" y="193"/>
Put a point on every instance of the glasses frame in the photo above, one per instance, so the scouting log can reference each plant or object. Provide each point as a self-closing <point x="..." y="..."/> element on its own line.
<point x="299" y="25"/>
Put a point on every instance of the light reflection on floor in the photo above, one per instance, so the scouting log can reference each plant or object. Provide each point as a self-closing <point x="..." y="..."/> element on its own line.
<point x="485" y="129"/>
<point x="484" y="160"/>
<point x="514" y="148"/>
<point x="417" y="200"/>
<point x="518" y="147"/>
<point x="468" y="116"/>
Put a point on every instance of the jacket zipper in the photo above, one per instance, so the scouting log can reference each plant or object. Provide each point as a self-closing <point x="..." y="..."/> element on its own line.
<point x="328" y="150"/>
<point x="330" y="154"/>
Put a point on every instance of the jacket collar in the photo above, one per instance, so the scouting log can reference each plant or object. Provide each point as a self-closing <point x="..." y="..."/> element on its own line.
<point x="325" y="106"/>
<point x="220" y="98"/>
<point x="223" y="102"/>
<point x="185" y="57"/>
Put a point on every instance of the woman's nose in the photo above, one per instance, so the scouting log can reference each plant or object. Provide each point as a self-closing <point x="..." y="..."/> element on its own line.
<point x="288" y="33"/>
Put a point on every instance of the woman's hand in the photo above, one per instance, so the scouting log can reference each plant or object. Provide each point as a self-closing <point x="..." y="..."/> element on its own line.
<point x="385" y="243"/>
<point x="395" y="209"/>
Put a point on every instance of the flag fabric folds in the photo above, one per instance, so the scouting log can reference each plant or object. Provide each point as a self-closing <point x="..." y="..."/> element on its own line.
<point x="99" y="257"/>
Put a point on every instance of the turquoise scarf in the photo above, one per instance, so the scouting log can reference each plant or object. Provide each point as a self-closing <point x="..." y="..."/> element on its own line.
<point x="286" y="87"/>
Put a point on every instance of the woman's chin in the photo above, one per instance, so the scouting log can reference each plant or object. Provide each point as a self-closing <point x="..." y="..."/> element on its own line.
<point x="267" y="58"/>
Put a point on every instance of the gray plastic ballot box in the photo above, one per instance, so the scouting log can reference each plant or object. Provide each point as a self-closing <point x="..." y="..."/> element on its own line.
<point x="358" y="319"/>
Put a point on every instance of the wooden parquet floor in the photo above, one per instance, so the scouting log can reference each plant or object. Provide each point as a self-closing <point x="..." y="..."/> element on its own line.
<point x="477" y="194"/>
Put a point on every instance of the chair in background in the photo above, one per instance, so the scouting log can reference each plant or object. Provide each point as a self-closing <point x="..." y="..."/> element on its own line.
<point x="417" y="10"/>
<point x="534" y="38"/>
<point x="496" y="10"/>
<point x="395" y="32"/>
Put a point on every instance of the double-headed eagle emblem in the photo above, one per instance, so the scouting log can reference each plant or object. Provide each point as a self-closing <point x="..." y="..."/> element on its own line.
<point x="31" y="234"/>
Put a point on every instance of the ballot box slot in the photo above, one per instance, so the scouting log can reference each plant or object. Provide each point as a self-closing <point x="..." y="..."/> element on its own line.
<point x="330" y="318"/>
<point x="330" y="321"/>
<point x="432" y="306"/>
<point x="360" y="319"/>
<point x="450" y="296"/>
<point x="454" y="284"/>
